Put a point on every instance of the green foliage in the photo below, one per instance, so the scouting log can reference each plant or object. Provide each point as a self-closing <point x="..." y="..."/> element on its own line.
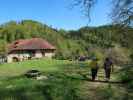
<point x="131" y="55"/>
<point x="58" y="86"/>
<point x="51" y="89"/>
<point x="126" y="73"/>
<point x="130" y="85"/>
<point x="69" y="44"/>
<point x="3" y="48"/>
<point x="106" y="93"/>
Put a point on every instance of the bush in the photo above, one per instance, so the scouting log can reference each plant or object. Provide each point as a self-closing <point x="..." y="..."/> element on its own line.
<point x="130" y="85"/>
<point x="126" y="75"/>
<point x="131" y="56"/>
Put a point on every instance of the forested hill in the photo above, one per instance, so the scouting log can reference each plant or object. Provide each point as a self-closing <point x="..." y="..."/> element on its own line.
<point x="69" y="43"/>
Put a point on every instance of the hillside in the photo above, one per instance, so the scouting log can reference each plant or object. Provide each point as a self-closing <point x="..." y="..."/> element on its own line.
<point x="73" y="43"/>
<point x="68" y="79"/>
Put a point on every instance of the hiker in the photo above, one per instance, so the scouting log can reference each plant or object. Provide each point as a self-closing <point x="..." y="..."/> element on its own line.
<point x="94" y="68"/>
<point x="108" y="67"/>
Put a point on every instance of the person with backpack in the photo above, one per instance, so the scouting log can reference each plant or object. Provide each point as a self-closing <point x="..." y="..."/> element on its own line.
<point x="108" y="67"/>
<point x="94" y="68"/>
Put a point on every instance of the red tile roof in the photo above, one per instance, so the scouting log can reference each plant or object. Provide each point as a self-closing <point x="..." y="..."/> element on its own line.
<point x="30" y="44"/>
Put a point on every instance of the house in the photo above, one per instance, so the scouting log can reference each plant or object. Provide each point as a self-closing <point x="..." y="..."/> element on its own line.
<point x="29" y="49"/>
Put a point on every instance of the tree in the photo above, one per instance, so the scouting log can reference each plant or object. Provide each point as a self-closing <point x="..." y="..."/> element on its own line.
<point x="122" y="11"/>
<point x="3" y="48"/>
<point x="85" y="5"/>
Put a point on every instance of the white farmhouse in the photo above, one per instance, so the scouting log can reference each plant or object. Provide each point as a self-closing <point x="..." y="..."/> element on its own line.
<point x="29" y="49"/>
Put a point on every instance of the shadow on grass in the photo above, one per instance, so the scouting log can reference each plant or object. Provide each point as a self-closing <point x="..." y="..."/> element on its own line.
<point x="84" y="78"/>
<point x="104" y="81"/>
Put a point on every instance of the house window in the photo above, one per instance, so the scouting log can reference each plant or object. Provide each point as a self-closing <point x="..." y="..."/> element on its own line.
<point x="32" y="53"/>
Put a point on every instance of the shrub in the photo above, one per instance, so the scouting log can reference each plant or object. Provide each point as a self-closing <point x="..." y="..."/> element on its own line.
<point x="130" y="84"/>
<point x="131" y="56"/>
<point x="126" y="73"/>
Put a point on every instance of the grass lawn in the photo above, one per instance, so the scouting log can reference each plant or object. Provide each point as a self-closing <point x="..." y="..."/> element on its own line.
<point x="44" y="65"/>
<point x="64" y="82"/>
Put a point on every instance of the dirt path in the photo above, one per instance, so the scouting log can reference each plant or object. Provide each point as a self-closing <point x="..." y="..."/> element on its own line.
<point x="101" y="89"/>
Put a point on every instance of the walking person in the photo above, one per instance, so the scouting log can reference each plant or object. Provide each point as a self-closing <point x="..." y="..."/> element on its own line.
<point x="108" y="67"/>
<point x="94" y="68"/>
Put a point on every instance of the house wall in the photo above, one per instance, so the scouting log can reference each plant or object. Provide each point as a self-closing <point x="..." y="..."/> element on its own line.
<point x="25" y="55"/>
<point x="20" y="56"/>
<point x="38" y="54"/>
<point x="49" y="55"/>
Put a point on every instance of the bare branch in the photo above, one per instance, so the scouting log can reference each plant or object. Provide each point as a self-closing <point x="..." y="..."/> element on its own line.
<point x="122" y="11"/>
<point x="85" y="6"/>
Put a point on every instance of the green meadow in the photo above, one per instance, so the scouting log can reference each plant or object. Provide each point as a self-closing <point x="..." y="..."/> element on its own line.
<point x="16" y="69"/>
<point x="67" y="80"/>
